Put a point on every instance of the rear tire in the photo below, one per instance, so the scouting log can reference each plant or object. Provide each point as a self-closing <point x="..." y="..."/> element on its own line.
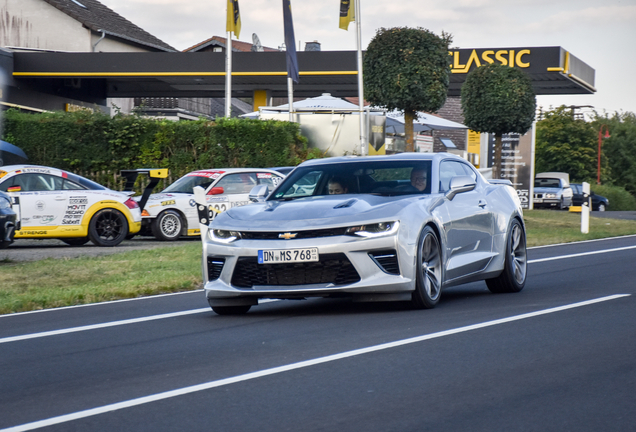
<point x="429" y="272"/>
<point x="601" y="207"/>
<point x="79" y="241"/>
<point x="231" y="310"/>
<point x="167" y="226"/>
<point x="108" y="228"/>
<point x="513" y="277"/>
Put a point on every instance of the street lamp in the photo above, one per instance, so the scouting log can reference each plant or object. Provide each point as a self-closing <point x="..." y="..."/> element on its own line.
<point x="600" y="142"/>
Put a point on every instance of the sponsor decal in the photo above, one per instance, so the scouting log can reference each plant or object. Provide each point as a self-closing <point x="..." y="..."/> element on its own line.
<point x="169" y="202"/>
<point x="216" y="199"/>
<point x="263" y="175"/>
<point x="36" y="170"/>
<point x="192" y="203"/>
<point x="239" y="203"/>
<point x="32" y="232"/>
<point x="208" y="174"/>
<point x="194" y="232"/>
<point x="73" y="214"/>
<point x="78" y="200"/>
<point x="40" y="205"/>
<point x="44" y="218"/>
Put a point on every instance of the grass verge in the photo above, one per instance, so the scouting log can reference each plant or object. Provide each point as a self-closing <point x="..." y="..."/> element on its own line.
<point x="50" y="283"/>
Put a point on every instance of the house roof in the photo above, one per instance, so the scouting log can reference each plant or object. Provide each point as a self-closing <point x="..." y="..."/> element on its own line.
<point x="221" y="41"/>
<point x="97" y="17"/>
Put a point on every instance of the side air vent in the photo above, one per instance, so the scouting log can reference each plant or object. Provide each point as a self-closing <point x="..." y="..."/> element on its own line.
<point x="387" y="260"/>
<point x="215" y="266"/>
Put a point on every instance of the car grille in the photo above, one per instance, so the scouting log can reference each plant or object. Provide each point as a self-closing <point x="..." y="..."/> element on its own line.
<point x="332" y="268"/>
<point x="215" y="266"/>
<point x="387" y="260"/>
<point x="264" y="235"/>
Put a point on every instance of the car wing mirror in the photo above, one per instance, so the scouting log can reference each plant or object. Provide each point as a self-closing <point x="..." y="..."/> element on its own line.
<point x="460" y="184"/>
<point x="259" y="193"/>
<point x="218" y="190"/>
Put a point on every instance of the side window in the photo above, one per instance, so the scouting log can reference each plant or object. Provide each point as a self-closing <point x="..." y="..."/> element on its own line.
<point x="70" y="185"/>
<point x="469" y="171"/>
<point x="34" y="182"/>
<point x="448" y="170"/>
<point x="237" y="183"/>
<point x="269" y="179"/>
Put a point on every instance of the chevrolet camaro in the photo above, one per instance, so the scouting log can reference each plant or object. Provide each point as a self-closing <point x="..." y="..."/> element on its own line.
<point x="379" y="228"/>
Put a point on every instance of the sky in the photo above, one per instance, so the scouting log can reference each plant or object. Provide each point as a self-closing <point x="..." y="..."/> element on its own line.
<point x="599" y="33"/>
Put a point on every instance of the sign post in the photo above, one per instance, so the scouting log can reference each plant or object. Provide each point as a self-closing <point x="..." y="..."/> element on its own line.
<point x="585" y="209"/>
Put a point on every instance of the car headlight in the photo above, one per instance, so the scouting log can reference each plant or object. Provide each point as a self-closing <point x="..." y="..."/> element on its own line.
<point x="223" y="236"/>
<point x="374" y="230"/>
<point x="4" y="204"/>
<point x="550" y="195"/>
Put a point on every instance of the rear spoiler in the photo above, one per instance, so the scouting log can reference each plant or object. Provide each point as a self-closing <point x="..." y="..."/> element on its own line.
<point x="154" y="174"/>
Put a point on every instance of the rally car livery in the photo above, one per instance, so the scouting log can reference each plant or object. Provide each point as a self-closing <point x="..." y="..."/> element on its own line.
<point x="172" y="213"/>
<point x="52" y="203"/>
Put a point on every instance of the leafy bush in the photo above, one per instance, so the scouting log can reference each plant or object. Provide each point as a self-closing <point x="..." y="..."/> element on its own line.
<point x="619" y="198"/>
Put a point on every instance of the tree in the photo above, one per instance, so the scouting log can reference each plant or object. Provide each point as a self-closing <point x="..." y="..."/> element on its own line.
<point x="407" y="69"/>
<point x="498" y="99"/>
<point x="619" y="151"/>
<point x="566" y="144"/>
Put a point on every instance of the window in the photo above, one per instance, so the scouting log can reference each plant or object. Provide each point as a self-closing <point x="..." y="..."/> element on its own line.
<point x="450" y="169"/>
<point x="237" y="183"/>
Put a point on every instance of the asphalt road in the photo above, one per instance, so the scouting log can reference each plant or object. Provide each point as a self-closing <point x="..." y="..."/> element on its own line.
<point x="558" y="356"/>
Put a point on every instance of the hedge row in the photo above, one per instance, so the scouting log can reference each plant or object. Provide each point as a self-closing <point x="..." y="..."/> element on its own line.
<point x="92" y="142"/>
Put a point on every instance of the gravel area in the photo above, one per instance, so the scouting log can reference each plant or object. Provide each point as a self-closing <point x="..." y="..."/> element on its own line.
<point x="33" y="250"/>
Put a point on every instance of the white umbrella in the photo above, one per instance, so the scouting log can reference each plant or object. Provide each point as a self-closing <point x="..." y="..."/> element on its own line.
<point x="423" y="122"/>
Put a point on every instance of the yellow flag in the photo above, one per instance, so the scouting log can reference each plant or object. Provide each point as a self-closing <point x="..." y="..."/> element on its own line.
<point x="346" y="13"/>
<point x="233" y="18"/>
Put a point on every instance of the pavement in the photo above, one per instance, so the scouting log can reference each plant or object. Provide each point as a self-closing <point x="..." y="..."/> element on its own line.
<point x="626" y="215"/>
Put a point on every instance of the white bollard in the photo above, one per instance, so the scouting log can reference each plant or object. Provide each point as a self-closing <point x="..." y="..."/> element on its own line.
<point x="585" y="209"/>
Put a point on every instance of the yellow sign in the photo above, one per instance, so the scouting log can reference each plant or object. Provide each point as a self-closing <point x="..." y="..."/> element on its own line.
<point x="474" y="142"/>
<point x="381" y="150"/>
<point x="505" y="57"/>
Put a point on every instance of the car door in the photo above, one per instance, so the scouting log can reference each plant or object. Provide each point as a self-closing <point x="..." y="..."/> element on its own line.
<point x="469" y="235"/>
<point x="42" y="201"/>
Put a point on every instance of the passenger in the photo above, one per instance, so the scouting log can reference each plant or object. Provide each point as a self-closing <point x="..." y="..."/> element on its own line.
<point x="337" y="186"/>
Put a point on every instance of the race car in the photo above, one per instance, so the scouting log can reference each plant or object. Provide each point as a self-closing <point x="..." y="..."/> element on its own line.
<point x="172" y="213"/>
<point x="52" y="203"/>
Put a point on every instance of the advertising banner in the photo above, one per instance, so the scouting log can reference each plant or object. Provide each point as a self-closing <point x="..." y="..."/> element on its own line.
<point x="517" y="164"/>
<point x="424" y="143"/>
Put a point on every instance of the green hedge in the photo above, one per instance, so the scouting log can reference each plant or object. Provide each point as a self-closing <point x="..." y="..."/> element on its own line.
<point x="619" y="198"/>
<point x="92" y="142"/>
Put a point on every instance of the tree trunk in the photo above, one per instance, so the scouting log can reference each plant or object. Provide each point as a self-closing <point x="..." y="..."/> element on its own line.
<point x="408" y="129"/>
<point x="496" y="166"/>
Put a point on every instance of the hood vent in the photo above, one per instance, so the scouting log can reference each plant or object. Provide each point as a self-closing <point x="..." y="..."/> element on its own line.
<point x="346" y="204"/>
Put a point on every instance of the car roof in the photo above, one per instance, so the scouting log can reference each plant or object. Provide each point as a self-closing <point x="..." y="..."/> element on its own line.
<point x="234" y="170"/>
<point x="407" y="156"/>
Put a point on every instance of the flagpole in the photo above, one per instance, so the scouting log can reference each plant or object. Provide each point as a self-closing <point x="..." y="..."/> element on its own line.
<point x="363" y="132"/>
<point x="228" y="75"/>
<point x="290" y="96"/>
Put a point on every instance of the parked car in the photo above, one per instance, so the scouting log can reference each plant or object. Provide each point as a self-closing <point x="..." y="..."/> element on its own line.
<point x="58" y="204"/>
<point x="599" y="203"/>
<point x="8" y="220"/>
<point x="172" y="213"/>
<point x="552" y="190"/>
<point x="383" y="240"/>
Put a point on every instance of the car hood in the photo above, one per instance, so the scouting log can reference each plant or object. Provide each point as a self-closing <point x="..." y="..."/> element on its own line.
<point x="311" y="212"/>
<point x="547" y="190"/>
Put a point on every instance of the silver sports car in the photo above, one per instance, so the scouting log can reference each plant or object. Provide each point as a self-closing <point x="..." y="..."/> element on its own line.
<point x="379" y="228"/>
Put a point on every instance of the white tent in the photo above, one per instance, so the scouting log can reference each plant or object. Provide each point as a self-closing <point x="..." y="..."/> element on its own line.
<point x="423" y="122"/>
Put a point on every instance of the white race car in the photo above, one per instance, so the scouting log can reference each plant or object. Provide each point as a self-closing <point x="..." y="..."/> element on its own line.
<point x="172" y="213"/>
<point x="53" y="203"/>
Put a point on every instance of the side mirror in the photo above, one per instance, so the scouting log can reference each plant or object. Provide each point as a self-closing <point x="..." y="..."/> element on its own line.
<point x="216" y="191"/>
<point x="259" y="193"/>
<point x="460" y="184"/>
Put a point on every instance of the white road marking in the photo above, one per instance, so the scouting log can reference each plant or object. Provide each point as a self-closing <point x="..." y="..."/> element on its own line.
<point x="102" y="325"/>
<point x="580" y="254"/>
<point x="293" y="366"/>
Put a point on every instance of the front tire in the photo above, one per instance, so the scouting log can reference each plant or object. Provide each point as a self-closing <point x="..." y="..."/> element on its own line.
<point x="108" y="228"/>
<point x="167" y="226"/>
<point x="429" y="271"/>
<point x="513" y="277"/>
<point x="601" y="207"/>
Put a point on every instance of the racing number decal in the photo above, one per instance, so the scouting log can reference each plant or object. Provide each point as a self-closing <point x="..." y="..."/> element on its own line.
<point x="216" y="209"/>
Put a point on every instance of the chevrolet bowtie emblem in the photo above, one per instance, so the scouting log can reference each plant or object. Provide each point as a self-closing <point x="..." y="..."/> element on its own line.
<point x="287" y="236"/>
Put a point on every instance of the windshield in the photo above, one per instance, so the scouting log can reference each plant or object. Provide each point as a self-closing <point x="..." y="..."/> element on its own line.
<point x="547" y="182"/>
<point x="186" y="183"/>
<point x="382" y="177"/>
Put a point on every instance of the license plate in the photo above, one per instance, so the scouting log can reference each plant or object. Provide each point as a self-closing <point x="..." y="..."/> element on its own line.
<point x="283" y="256"/>
<point x="538" y="200"/>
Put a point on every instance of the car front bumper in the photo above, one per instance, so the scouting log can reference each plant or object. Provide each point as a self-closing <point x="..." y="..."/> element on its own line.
<point x="348" y="266"/>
